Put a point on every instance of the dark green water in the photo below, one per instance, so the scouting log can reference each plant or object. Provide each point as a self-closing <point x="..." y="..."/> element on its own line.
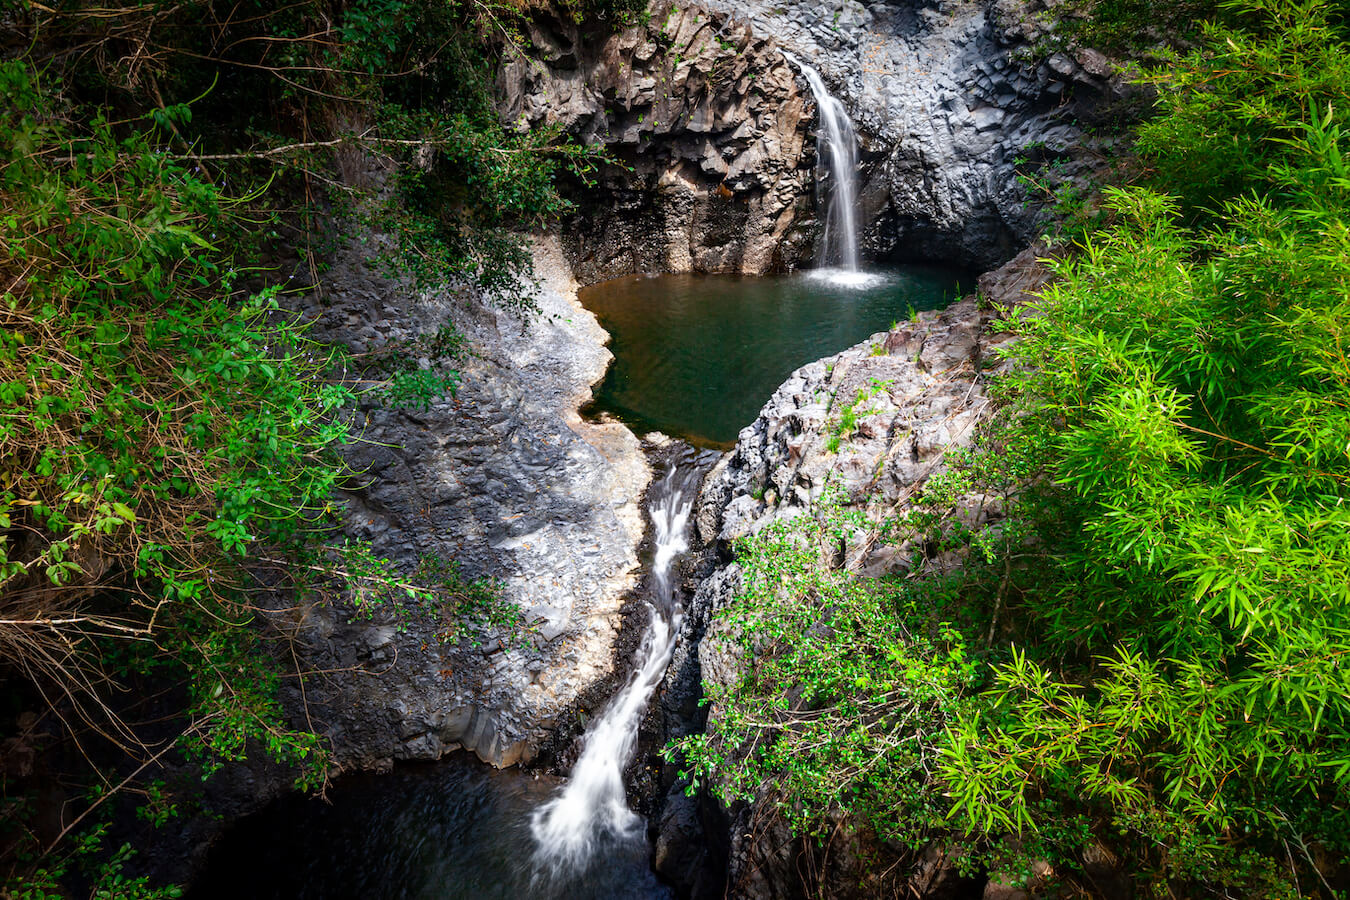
<point x="452" y="830"/>
<point x="697" y="356"/>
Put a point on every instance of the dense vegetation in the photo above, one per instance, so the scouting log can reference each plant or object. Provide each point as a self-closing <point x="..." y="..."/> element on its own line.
<point x="168" y="435"/>
<point x="1145" y="664"/>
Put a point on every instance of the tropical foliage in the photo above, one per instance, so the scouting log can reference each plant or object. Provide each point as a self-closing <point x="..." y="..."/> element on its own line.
<point x="168" y="433"/>
<point x="1166" y="685"/>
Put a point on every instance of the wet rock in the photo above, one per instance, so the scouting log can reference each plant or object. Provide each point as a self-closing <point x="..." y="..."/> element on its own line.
<point x="714" y="130"/>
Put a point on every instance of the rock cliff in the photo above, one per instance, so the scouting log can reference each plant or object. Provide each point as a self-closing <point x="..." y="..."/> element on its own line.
<point x="953" y="99"/>
<point x="509" y="480"/>
<point x="972" y="115"/>
<point x="706" y="123"/>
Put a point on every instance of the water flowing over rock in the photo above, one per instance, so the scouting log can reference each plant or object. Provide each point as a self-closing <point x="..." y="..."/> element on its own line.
<point x="592" y="806"/>
<point x="953" y="100"/>
<point x="509" y="480"/>
<point x="836" y="175"/>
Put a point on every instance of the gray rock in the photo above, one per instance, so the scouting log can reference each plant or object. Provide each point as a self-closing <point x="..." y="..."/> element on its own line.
<point x="713" y="130"/>
<point x="507" y="479"/>
<point x="708" y="126"/>
<point x="934" y="372"/>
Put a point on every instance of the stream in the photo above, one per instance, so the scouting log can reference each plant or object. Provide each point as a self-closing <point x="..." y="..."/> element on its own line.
<point x="459" y="829"/>
<point x="696" y="356"/>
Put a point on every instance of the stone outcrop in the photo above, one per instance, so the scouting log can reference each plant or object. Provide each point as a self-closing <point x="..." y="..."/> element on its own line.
<point x="953" y="99"/>
<point x="507" y="479"/>
<point x="706" y="122"/>
<point x="924" y="386"/>
<point x="973" y="116"/>
<point x="922" y="391"/>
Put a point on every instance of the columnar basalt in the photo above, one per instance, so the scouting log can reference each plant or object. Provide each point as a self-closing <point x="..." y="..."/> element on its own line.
<point x="953" y="99"/>
<point x="972" y="116"/>
<point x="708" y="127"/>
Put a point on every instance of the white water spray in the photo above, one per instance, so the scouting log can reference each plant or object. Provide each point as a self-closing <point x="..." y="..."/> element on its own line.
<point x="592" y="805"/>
<point x="837" y="172"/>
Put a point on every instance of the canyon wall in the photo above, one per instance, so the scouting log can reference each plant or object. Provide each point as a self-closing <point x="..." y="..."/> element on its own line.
<point x="972" y="116"/>
<point x="953" y="99"/>
<point x="507" y="479"/>
<point x="707" y="129"/>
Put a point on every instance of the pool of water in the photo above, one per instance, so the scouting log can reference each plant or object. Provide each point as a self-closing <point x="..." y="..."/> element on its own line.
<point x="697" y="356"/>
<point x="453" y="830"/>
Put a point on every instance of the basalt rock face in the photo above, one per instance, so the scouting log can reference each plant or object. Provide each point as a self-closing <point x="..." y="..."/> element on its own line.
<point x="933" y="375"/>
<point x="505" y="478"/>
<point x="707" y="123"/>
<point x="953" y="99"/>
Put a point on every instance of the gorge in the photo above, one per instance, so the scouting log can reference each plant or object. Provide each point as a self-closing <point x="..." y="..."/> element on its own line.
<point x="787" y="320"/>
<point x="738" y="449"/>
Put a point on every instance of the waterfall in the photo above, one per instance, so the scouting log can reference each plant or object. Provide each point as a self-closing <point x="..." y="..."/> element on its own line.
<point x="837" y="175"/>
<point x="592" y="806"/>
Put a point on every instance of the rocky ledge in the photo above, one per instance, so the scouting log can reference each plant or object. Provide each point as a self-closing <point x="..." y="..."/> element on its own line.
<point x="926" y="387"/>
<point x="506" y="478"/>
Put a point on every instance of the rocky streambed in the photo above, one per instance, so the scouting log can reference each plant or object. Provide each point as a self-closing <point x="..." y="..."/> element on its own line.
<point x="509" y="479"/>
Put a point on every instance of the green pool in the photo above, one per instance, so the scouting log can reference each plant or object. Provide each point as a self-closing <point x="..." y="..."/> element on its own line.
<point x="697" y="356"/>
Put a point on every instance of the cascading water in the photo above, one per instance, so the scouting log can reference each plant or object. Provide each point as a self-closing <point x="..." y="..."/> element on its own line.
<point x="837" y="174"/>
<point x="461" y="831"/>
<point x="592" y="808"/>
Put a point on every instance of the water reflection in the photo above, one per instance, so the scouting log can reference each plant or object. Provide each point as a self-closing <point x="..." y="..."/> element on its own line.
<point x="697" y="356"/>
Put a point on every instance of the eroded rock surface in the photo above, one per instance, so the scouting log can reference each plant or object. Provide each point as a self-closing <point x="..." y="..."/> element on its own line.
<point x="507" y="479"/>
<point x="974" y="119"/>
<point x="708" y="125"/>
<point x="920" y="390"/>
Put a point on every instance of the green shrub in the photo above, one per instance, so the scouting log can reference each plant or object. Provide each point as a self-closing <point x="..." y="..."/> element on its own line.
<point x="847" y="683"/>
<point x="1167" y="609"/>
<point x="168" y="433"/>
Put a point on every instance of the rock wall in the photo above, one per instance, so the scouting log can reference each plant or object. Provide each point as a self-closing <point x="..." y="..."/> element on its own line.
<point x="953" y="101"/>
<point x="708" y="126"/>
<point x="504" y="477"/>
<point x="948" y="96"/>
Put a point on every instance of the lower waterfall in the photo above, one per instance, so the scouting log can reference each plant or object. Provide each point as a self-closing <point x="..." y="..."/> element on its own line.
<point x="592" y="805"/>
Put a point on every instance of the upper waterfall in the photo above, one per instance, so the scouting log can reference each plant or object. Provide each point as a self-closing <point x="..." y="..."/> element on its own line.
<point x="836" y="176"/>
